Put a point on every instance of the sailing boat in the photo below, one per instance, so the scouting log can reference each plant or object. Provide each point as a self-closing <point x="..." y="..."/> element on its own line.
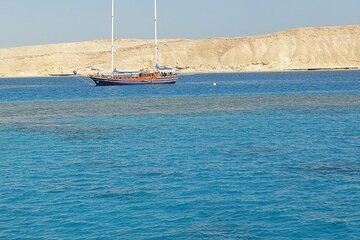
<point x="158" y="76"/>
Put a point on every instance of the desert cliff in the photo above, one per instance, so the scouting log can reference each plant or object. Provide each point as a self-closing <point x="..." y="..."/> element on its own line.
<point x="297" y="49"/>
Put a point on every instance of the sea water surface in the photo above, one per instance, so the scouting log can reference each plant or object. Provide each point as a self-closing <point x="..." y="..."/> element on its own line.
<point x="258" y="156"/>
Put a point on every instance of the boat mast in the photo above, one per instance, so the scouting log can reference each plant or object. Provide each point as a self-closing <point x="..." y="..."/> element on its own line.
<point x="156" y="35"/>
<point x="112" y="38"/>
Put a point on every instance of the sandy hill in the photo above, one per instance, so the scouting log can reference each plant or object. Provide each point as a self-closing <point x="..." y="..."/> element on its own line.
<point x="298" y="49"/>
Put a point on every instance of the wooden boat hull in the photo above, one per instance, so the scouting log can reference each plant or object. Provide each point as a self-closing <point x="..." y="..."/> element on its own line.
<point x="111" y="81"/>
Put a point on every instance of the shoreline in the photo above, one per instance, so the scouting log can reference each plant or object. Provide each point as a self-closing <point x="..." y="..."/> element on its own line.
<point x="205" y="73"/>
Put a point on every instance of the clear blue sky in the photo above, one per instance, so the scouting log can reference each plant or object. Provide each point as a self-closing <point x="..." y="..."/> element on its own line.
<point x="29" y="22"/>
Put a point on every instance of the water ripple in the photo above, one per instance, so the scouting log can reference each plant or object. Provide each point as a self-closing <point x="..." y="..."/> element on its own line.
<point x="245" y="160"/>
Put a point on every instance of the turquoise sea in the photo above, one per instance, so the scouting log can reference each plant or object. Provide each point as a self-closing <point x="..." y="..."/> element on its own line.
<point x="259" y="156"/>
